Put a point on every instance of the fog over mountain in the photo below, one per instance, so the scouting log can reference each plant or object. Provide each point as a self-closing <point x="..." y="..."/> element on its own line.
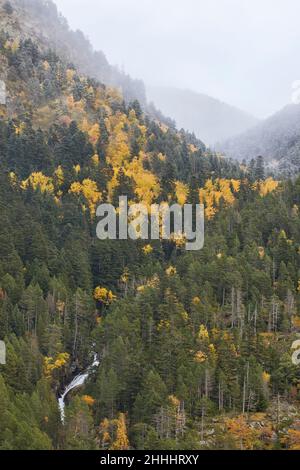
<point x="241" y="52"/>
<point x="52" y="30"/>
<point x="207" y="117"/>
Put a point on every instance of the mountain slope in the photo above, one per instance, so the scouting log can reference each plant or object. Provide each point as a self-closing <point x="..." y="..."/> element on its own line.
<point x="40" y="21"/>
<point x="205" y="116"/>
<point x="186" y="340"/>
<point x="277" y="139"/>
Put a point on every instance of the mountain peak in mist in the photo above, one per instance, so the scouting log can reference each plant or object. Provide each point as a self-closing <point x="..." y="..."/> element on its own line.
<point x="207" y="117"/>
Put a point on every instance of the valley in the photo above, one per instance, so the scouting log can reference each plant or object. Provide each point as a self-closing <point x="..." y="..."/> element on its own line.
<point x="178" y="349"/>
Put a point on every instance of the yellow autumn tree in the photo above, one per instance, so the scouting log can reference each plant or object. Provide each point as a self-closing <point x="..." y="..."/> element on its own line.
<point x="89" y="190"/>
<point x="70" y="73"/>
<point x="52" y="364"/>
<point x="104" y="434"/>
<point x="171" y="271"/>
<point x="104" y="296"/>
<point x="147" y="185"/>
<point x="39" y="181"/>
<point x="266" y="187"/>
<point x="121" y="441"/>
<point x="147" y="249"/>
<point x="88" y="400"/>
<point x="200" y="357"/>
<point x="113" y="434"/>
<point x="59" y="176"/>
<point x="214" y="191"/>
<point x="118" y="149"/>
<point x="14" y="181"/>
<point x="181" y="192"/>
<point x="203" y="334"/>
<point x="94" y="133"/>
<point x="75" y="188"/>
<point x="95" y="159"/>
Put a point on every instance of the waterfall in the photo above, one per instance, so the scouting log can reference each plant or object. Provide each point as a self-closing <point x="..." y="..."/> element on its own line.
<point x="78" y="381"/>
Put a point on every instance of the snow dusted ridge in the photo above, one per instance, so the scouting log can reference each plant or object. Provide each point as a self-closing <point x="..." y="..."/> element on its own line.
<point x="277" y="139"/>
<point x="78" y="381"/>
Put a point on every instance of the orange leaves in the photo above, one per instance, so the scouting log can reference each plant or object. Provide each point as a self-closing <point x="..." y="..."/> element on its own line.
<point x="88" y="400"/>
<point x="94" y="133"/>
<point x="296" y="321"/>
<point x="244" y="436"/>
<point x="292" y="440"/>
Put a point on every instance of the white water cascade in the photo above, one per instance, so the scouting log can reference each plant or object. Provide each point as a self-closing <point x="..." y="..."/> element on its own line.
<point x="78" y="381"/>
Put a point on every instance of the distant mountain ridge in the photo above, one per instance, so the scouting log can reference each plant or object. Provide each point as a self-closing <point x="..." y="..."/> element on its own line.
<point x="207" y="117"/>
<point x="277" y="139"/>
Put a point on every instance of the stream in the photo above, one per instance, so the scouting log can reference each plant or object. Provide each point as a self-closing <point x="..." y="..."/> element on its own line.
<point x="78" y="381"/>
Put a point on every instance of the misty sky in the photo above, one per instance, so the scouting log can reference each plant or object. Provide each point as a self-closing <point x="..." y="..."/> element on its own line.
<point x="244" y="52"/>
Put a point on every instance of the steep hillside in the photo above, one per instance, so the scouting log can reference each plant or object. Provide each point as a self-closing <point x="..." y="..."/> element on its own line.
<point x="277" y="139"/>
<point x="210" y="119"/>
<point x="48" y="98"/>
<point x="40" y="21"/>
<point x="194" y="348"/>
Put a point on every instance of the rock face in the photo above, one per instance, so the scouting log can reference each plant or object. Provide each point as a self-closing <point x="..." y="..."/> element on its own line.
<point x="40" y="21"/>
<point x="277" y="139"/>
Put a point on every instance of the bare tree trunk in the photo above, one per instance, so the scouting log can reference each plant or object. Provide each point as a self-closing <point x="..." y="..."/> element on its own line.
<point x="232" y="307"/>
<point x="245" y="388"/>
<point x="76" y="326"/>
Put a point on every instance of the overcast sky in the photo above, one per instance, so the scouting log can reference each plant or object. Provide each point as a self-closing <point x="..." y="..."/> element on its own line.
<point x="244" y="52"/>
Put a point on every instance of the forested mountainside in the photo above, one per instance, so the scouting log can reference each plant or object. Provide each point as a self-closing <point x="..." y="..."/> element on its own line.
<point x="194" y="348"/>
<point x="210" y="119"/>
<point x="277" y="139"/>
<point x="40" y="20"/>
